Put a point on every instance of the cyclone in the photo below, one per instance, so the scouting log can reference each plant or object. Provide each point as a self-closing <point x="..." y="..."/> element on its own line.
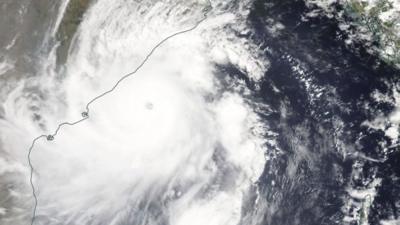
<point x="189" y="112"/>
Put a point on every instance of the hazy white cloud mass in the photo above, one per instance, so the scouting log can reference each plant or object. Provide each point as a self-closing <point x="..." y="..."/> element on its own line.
<point x="172" y="145"/>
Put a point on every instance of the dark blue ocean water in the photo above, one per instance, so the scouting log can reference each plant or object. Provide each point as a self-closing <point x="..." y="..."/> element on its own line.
<point x="319" y="92"/>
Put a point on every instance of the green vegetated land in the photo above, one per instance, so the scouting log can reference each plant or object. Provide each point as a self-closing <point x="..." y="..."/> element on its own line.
<point x="69" y="25"/>
<point x="385" y="33"/>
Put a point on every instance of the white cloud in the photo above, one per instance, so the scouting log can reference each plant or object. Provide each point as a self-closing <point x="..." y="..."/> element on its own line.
<point x="170" y="135"/>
